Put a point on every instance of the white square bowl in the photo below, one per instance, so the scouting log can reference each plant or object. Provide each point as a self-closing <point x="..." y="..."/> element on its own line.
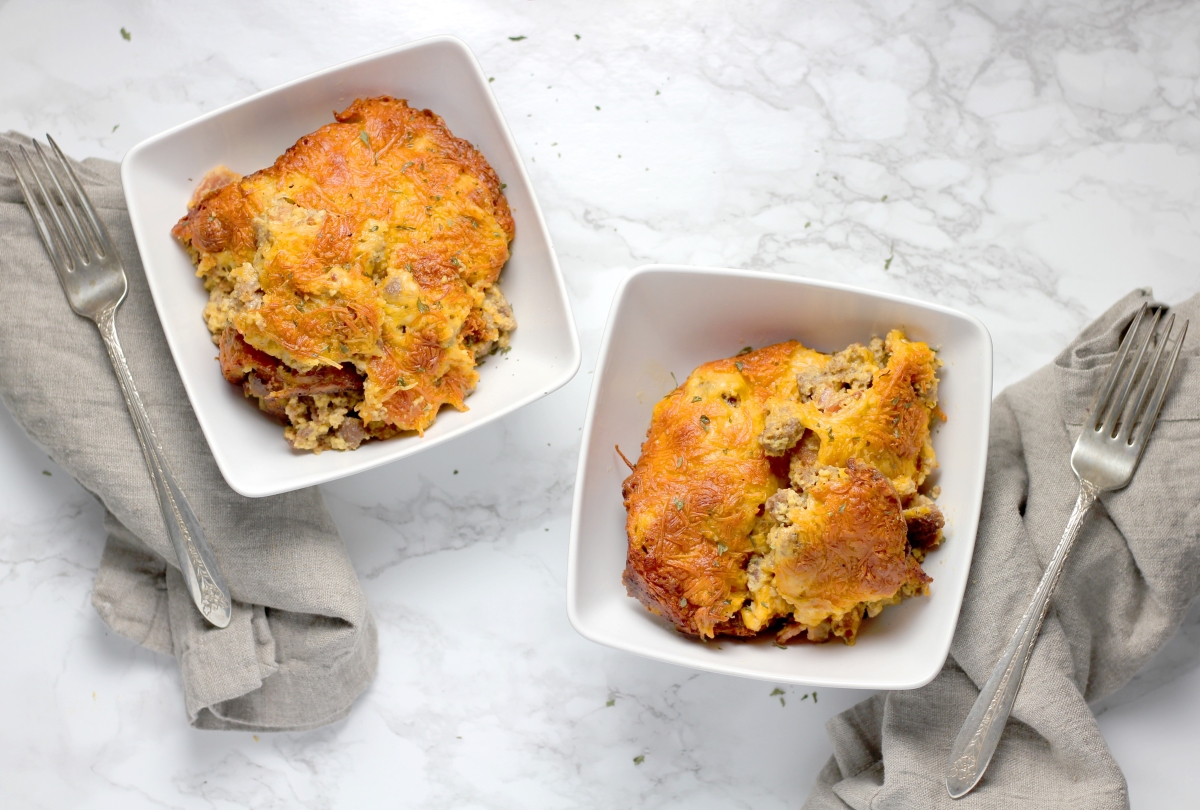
<point x="160" y="174"/>
<point x="667" y="321"/>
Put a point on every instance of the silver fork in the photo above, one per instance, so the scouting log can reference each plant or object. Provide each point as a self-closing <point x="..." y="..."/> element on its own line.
<point x="1105" y="457"/>
<point x="94" y="280"/>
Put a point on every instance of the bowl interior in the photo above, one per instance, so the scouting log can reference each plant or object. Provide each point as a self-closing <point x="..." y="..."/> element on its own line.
<point x="160" y="174"/>
<point x="667" y="321"/>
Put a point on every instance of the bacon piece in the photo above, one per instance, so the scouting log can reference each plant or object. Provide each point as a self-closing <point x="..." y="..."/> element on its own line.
<point x="265" y="377"/>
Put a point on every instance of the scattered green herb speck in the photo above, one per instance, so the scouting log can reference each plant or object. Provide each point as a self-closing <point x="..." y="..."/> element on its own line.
<point x="639" y="759"/>
<point x="125" y="35"/>
<point x="517" y="39"/>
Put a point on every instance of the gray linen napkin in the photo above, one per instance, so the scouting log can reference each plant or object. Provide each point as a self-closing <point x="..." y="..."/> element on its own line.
<point x="1133" y="573"/>
<point x="301" y="645"/>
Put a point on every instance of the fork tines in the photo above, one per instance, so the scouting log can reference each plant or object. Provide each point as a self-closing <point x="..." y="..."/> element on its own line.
<point x="67" y="223"/>
<point x="1115" y="412"/>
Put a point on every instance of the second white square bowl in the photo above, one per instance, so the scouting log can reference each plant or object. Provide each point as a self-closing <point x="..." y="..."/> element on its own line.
<point x="664" y="323"/>
<point x="160" y="174"/>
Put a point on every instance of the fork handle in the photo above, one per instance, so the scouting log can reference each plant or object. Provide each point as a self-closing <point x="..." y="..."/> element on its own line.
<point x="196" y="559"/>
<point x="980" y="733"/>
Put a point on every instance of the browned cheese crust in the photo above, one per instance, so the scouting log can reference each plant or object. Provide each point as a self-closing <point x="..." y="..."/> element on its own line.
<point x="371" y="247"/>
<point x="780" y="490"/>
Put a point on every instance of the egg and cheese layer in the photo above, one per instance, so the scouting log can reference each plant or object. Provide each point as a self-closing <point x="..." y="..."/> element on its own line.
<point x="780" y="489"/>
<point x="373" y="244"/>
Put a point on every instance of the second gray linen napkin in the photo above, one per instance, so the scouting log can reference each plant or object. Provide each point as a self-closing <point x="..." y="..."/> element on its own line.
<point x="1134" y="571"/>
<point x="301" y="645"/>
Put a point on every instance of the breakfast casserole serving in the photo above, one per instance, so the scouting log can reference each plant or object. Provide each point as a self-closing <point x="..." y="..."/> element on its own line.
<point x="781" y="490"/>
<point x="353" y="284"/>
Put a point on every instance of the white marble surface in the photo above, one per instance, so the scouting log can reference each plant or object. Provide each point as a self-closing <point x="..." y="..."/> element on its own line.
<point x="1026" y="162"/>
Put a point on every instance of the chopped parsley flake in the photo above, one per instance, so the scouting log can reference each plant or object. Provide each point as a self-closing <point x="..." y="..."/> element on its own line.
<point x="745" y="350"/>
<point x="125" y="35"/>
<point x="777" y="691"/>
<point x="421" y="306"/>
<point x="639" y="759"/>
<point x="695" y="399"/>
<point x="517" y="39"/>
<point x="722" y="548"/>
<point x="365" y="138"/>
<point x="739" y="366"/>
<point x="679" y="504"/>
<point x="610" y="702"/>
<point x="683" y="601"/>
<point x="704" y="420"/>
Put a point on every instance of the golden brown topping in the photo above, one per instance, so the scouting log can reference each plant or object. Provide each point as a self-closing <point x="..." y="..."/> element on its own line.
<point x="773" y="486"/>
<point x="374" y="242"/>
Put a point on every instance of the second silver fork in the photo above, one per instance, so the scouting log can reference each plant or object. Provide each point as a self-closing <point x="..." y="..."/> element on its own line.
<point x="1105" y="457"/>
<point x="94" y="281"/>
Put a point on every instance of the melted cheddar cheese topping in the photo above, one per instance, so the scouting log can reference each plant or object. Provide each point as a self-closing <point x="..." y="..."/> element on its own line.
<point x="372" y="244"/>
<point x="780" y="488"/>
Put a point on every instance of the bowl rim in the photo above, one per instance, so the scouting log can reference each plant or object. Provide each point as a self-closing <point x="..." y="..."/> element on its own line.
<point x="672" y="657"/>
<point x="130" y="164"/>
